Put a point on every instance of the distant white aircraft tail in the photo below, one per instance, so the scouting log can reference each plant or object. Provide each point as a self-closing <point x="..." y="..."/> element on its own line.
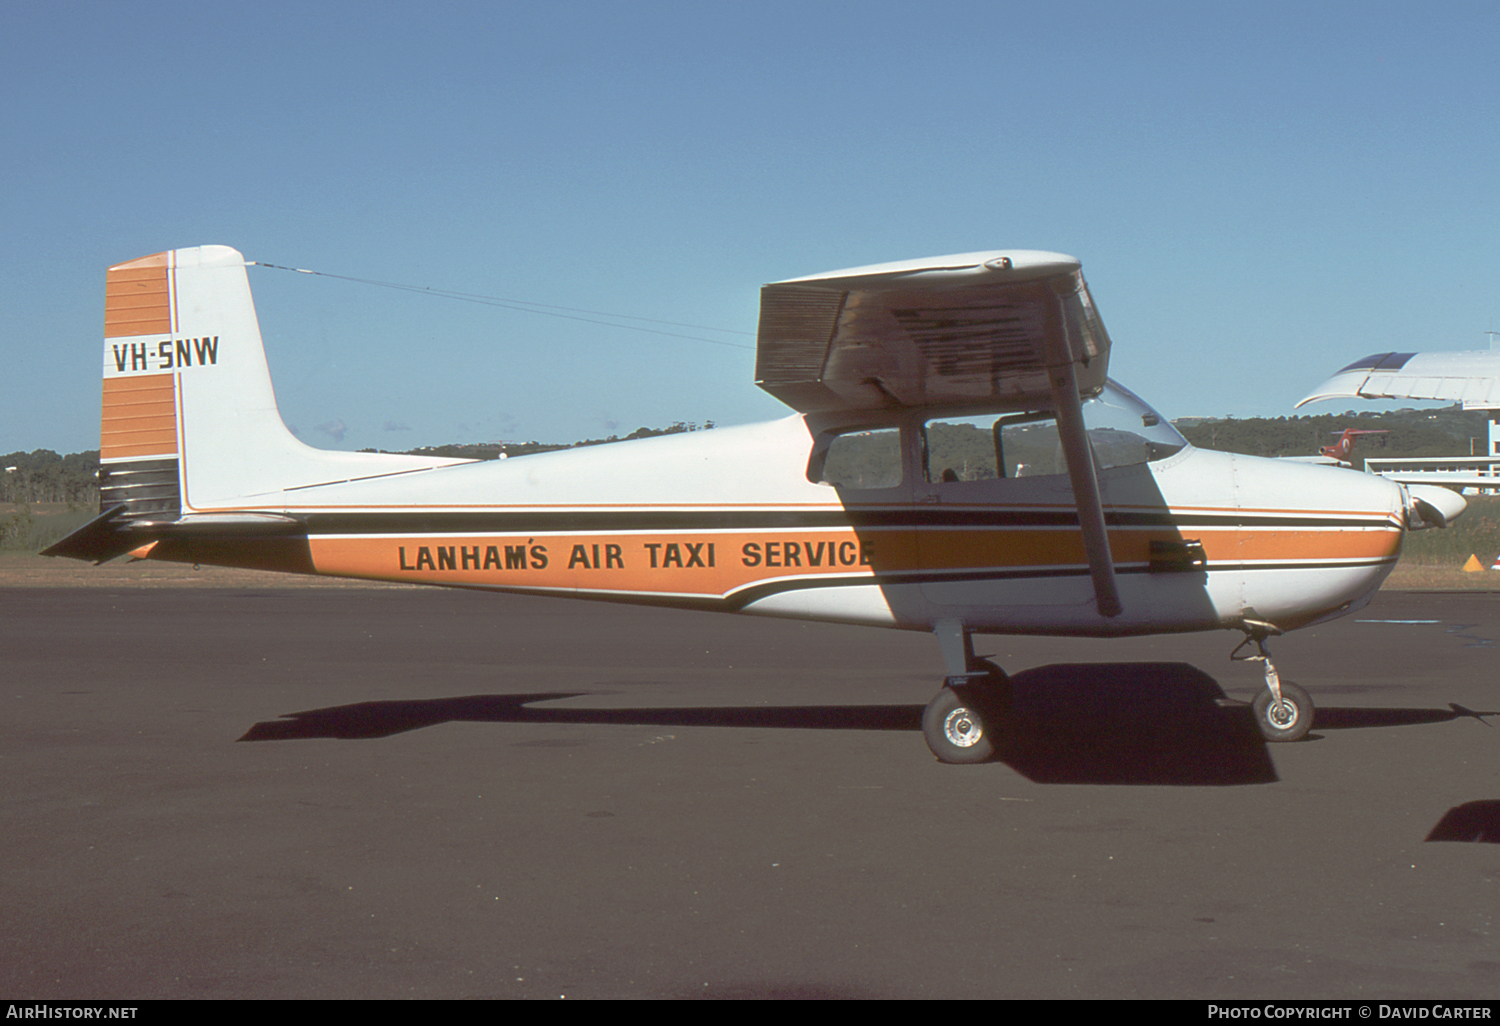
<point x="189" y="421"/>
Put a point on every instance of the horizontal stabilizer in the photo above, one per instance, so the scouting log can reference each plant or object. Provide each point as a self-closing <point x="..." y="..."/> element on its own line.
<point x="97" y="541"/>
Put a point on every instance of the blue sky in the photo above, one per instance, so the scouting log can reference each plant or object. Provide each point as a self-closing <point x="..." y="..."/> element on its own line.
<point x="1259" y="192"/>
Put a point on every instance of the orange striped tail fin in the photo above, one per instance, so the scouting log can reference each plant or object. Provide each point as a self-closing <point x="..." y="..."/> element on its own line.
<point x="189" y="430"/>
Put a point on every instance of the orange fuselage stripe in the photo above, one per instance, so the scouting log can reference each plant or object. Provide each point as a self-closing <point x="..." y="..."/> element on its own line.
<point x="717" y="563"/>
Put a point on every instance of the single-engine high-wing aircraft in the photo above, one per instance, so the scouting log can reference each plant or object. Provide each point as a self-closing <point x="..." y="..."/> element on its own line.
<point x="958" y="463"/>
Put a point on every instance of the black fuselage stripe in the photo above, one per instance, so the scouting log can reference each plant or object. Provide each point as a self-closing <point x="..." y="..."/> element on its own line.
<point x="532" y="522"/>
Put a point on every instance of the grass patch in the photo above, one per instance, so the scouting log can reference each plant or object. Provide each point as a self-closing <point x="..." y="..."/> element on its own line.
<point x="31" y="527"/>
<point x="1476" y="533"/>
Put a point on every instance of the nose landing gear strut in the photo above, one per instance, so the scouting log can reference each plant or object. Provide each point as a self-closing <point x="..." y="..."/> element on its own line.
<point x="1283" y="711"/>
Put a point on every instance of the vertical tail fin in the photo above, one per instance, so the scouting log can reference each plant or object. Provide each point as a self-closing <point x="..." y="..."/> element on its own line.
<point x="189" y="420"/>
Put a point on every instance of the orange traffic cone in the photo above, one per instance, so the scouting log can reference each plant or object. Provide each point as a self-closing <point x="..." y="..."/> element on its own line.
<point x="1473" y="565"/>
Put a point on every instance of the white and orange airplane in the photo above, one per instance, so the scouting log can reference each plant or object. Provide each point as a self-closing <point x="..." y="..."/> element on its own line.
<point x="1343" y="449"/>
<point x="1340" y="453"/>
<point x="958" y="463"/>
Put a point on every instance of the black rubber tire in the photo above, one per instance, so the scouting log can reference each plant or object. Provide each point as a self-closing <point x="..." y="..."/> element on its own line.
<point x="1289" y="723"/>
<point x="960" y="725"/>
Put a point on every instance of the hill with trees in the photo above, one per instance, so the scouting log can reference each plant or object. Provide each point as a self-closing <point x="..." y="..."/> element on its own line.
<point x="45" y="477"/>
<point x="1448" y="431"/>
<point x="44" y="495"/>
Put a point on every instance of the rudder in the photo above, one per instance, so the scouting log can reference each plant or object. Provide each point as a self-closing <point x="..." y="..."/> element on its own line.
<point x="138" y="424"/>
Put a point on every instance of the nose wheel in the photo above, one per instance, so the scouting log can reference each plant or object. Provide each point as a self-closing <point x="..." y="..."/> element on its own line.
<point x="1283" y="711"/>
<point x="1286" y="718"/>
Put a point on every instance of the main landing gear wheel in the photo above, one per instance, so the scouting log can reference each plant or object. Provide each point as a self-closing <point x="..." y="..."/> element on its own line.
<point x="1286" y="720"/>
<point x="959" y="725"/>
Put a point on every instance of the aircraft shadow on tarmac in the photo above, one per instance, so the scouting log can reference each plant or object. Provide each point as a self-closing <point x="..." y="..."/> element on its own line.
<point x="1471" y="821"/>
<point x="1088" y="723"/>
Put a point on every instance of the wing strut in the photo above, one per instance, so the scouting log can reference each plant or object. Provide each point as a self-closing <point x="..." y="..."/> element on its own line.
<point x="1080" y="456"/>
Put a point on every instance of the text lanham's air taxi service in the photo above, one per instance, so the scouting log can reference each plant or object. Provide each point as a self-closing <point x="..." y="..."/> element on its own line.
<point x="958" y="463"/>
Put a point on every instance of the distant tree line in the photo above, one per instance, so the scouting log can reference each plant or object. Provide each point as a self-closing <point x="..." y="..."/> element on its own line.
<point x="1448" y="431"/>
<point x="494" y="450"/>
<point x="44" y="476"/>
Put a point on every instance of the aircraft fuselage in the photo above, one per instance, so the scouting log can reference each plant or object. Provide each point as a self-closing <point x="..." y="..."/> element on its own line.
<point x="729" y="519"/>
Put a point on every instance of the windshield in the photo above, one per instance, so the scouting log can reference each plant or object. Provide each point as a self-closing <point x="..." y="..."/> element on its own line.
<point x="1124" y="430"/>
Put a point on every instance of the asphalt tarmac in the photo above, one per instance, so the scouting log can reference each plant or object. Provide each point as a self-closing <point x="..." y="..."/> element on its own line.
<point x="222" y="793"/>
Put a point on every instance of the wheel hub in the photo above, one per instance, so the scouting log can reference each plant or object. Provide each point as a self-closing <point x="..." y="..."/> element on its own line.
<point x="1282" y="714"/>
<point x="961" y="729"/>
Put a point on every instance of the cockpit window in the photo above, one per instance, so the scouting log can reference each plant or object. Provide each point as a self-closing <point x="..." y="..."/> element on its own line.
<point x="992" y="446"/>
<point x="1122" y="429"/>
<point x="861" y="458"/>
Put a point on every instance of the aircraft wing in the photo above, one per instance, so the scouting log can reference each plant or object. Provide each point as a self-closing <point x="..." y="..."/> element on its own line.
<point x="945" y="331"/>
<point x="1472" y="378"/>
